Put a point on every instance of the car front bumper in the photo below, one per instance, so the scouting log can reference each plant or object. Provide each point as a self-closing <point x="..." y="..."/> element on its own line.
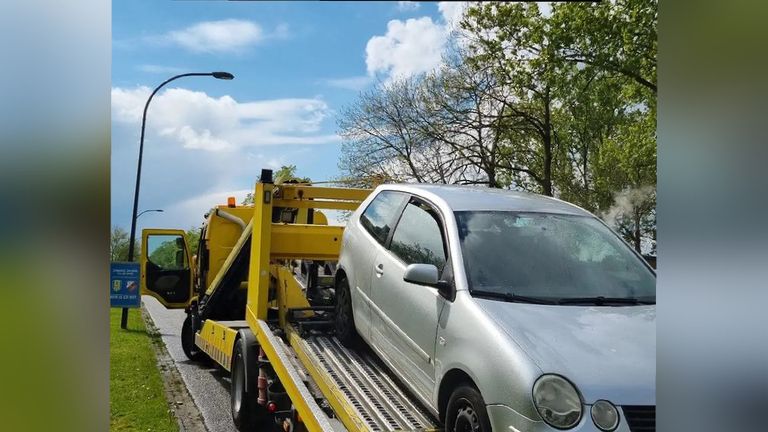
<point x="505" y="419"/>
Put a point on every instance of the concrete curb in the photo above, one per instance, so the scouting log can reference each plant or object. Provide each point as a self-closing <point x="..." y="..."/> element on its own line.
<point x="180" y="402"/>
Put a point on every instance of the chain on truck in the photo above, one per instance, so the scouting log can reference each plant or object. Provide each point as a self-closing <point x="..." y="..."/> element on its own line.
<point x="259" y="297"/>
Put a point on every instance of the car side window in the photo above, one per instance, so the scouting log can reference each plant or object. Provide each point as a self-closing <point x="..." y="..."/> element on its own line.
<point x="378" y="218"/>
<point x="417" y="238"/>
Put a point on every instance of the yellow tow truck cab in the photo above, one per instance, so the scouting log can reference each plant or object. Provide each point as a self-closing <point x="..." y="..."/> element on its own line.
<point x="259" y="293"/>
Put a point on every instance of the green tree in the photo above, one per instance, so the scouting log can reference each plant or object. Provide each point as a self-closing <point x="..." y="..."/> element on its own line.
<point x="626" y="181"/>
<point x="594" y="111"/>
<point x="381" y="138"/>
<point x="583" y="81"/>
<point x="118" y="245"/>
<point x="514" y="39"/>
<point x="169" y="252"/>
<point x="619" y="37"/>
<point x="193" y="239"/>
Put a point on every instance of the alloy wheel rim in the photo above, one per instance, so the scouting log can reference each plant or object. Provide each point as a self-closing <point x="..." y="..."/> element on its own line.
<point x="466" y="419"/>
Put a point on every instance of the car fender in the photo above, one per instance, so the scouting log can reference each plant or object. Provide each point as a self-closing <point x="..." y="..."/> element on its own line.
<point x="469" y="341"/>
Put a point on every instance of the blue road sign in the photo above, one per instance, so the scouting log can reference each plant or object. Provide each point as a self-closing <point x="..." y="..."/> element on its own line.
<point x="124" y="289"/>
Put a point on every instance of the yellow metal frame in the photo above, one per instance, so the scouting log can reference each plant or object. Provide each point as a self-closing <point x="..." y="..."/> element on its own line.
<point x="278" y="241"/>
<point x="261" y="243"/>
<point x="289" y="293"/>
<point x="144" y="258"/>
<point x="305" y="192"/>
<point x="305" y="197"/>
<point x="272" y="242"/>
<point x="301" y="241"/>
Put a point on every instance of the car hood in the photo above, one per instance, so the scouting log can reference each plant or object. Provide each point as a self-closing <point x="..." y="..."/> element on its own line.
<point x="607" y="352"/>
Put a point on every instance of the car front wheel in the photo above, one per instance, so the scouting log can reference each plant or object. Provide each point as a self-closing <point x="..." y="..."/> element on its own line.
<point x="466" y="411"/>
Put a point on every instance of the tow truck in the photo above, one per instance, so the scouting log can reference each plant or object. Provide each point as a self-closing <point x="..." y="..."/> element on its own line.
<point x="259" y="297"/>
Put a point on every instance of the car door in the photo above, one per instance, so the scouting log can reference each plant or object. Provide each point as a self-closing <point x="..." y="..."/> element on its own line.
<point x="361" y="244"/>
<point x="166" y="273"/>
<point x="405" y="315"/>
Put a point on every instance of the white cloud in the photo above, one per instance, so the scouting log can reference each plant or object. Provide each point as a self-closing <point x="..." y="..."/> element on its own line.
<point x="408" y="6"/>
<point x="282" y="31"/>
<point x="545" y="8"/>
<point x="198" y="121"/>
<point x="194" y="139"/>
<point x="158" y="69"/>
<point x="408" y="48"/>
<point x="225" y="36"/>
<point x="189" y="211"/>
<point x="352" y="83"/>
<point x="413" y="46"/>
<point x="452" y="12"/>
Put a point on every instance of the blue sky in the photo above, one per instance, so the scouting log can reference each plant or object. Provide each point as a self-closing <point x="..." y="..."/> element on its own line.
<point x="296" y="65"/>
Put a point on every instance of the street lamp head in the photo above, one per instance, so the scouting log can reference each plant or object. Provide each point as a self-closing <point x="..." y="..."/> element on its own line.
<point x="223" y="75"/>
<point x="149" y="211"/>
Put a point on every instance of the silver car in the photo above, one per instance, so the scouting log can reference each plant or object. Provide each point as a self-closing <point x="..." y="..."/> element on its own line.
<point x="501" y="310"/>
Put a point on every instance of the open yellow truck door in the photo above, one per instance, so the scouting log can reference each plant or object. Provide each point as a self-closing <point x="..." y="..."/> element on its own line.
<point x="166" y="270"/>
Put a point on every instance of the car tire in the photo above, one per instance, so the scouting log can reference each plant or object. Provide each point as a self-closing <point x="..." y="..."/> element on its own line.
<point x="466" y="411"/>
<point x="345" y="321"/>
<point x="188" y="342"/>
<point x="247" y="414"/>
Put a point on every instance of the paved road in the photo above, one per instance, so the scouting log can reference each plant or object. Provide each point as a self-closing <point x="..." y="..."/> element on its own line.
<point x="208" y="386"/>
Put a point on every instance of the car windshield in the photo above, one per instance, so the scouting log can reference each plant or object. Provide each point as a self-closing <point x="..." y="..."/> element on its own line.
<point x="551" y="258"/>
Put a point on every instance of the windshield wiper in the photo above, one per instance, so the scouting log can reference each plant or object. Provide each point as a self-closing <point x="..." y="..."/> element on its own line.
<point x="512" y="297"/>
<point x="600" y="301"/>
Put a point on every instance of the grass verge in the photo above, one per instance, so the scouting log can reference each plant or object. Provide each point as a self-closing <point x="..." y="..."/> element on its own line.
<point x="136" y="398"/>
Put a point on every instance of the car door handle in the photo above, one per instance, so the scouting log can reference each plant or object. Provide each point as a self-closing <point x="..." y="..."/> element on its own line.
<point x="379" y="269"/>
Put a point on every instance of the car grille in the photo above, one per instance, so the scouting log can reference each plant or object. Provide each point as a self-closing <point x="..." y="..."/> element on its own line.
<point x="640" y="418"/>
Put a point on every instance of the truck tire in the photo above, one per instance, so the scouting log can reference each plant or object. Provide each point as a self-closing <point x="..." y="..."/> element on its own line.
<point x="188" y="342"/>
<point x="247" y="414"/>
<point x="345" y="321"/>
<point x="466" y="411"/>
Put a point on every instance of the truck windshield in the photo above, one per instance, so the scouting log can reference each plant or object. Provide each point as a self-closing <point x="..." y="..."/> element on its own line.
<point x="551" y="257"/>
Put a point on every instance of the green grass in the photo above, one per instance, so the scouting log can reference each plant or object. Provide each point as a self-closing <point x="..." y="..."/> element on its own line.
<point x="136" y="398"/>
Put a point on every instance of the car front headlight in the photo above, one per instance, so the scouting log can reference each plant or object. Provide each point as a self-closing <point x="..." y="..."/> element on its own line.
<point x="605" y="415"/>
<point x="557" y="401"/>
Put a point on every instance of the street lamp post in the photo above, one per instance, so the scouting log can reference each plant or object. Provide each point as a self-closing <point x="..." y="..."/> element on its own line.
<point x="134" y="216"/>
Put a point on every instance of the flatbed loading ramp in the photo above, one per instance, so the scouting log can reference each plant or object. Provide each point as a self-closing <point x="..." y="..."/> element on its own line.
<point x="353" y="382"/>
<point x="286" y="331"/>
<point x="367" y="390"/>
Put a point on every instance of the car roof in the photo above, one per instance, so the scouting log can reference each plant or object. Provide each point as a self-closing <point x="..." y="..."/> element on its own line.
<point x="463" y="198"/>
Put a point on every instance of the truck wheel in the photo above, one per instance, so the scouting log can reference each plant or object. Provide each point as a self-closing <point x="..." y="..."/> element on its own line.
<point x="247" y="414"/>
<point x="345" y="321"/>
<point x="188" y="342"/>
<point x="466" y="411"/>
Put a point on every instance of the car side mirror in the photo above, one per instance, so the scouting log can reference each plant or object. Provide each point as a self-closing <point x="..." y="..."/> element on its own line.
<point x="427" y="274"/>
<point x="421" y="274"/>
